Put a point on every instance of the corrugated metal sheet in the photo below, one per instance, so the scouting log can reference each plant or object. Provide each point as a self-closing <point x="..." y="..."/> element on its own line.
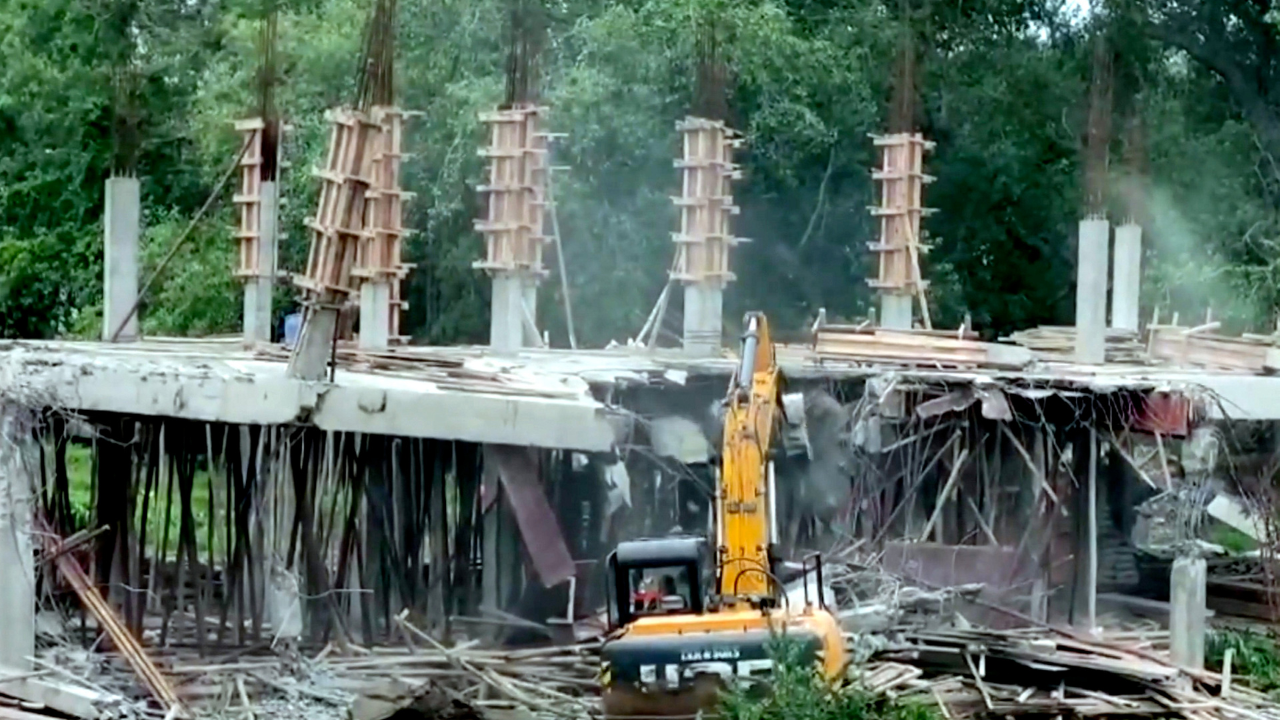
<point x="518" y="472"/>
<point x="1168" y="414"/>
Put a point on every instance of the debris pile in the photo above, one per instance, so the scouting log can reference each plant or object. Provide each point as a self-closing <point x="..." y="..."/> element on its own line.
<point x="1043" y="672"/>
<point x="460" y="682"/>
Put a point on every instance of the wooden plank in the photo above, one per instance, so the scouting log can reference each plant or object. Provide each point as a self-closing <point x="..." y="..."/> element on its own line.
<point x="108" y="621"/>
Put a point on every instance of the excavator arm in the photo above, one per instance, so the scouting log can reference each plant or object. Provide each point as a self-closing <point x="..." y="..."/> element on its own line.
<point x="746" y="506"/>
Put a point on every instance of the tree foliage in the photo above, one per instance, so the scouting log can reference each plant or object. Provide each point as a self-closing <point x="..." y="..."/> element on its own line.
<point x="795" y="691"/>
<point x="1002" y="88"/>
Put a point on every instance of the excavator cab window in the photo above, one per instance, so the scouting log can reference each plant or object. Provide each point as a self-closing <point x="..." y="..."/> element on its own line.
<point x="660" y="590"/>
<point x="657" y="577"/>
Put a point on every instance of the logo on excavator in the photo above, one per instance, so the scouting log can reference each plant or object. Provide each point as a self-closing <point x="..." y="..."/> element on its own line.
<point x="676" y="673"/>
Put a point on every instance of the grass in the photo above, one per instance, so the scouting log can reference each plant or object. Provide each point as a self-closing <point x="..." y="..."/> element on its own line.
<point x="1256" y="662"/>
<point x="80" y="484"/>
<point x="798" y="692"/>
<point x="1232" y="540"/>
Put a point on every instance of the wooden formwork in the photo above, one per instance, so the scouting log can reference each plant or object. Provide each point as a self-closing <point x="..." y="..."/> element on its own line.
<point x="516" y="192"/>
<point x="705" y="202"/>
<point x="338" y="227"/>
<point x="379" y="254"/>
<point x="902" y="181"/>
<point x="248" y="198"/>
<point x="248" y="195"/>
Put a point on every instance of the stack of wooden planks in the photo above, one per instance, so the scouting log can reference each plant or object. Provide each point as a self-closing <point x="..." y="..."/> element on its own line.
<point x="1037" y="672"/>
<point x="446" y="372"/>
<point x="1184" y="346"/>
<point x="1057" y="343"/>
<point x="914" y="348"/>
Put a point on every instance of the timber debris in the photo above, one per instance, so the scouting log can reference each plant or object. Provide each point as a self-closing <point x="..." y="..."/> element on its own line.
<point x="1056" y="343"/>
<point x="1041" y="672"/>
<point x="112" y="624"/>
<point x="1200" y="348"/>
<point x="909" y="643"/>
<point x="926" y="348"/>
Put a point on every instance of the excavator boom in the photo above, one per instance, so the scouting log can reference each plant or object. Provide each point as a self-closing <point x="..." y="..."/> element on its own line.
<point x="746" y="504"/>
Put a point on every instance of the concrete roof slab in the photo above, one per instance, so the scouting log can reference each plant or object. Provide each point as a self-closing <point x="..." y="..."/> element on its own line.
<point x="199" y="387"/>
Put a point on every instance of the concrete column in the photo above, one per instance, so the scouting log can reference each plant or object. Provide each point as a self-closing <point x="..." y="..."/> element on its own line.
<point x="1091" y="570"/>
<point x="1091" y="291"/>
<point x="258" y="290"/>
<point x="703" y="318"/>
<point x="282" y="596"/>
<point x="895" y="311"/>
<point x="17" y="570"/>
<point x="529" y="295"/>
<point x="1187" y="611"/>
<point x="375" y="315"/>
<point x="310" y="358"/>
<point x="1126" y="280"/>
<point x="506" y="313"/>
<point x="489" y="558"/>
<point x="121" y="226"/>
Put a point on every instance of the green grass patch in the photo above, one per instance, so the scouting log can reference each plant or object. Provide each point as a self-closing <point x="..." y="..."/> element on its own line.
<point x="796" y="691"/>
<point x="1256" y="662"/>
<point x="80" y="485"/>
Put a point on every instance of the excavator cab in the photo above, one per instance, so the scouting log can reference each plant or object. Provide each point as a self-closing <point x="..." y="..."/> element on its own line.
<point x="662" y="576"/>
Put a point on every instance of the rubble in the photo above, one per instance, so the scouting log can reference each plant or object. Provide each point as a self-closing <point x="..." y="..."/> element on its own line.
<point x="1045" y="672"/>
<point x="909" y="643"/>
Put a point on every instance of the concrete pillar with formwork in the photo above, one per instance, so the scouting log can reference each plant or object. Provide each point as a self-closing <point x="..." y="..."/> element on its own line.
<point x="704" y="241"/>
<point x="379" y="262"/>
<point x="513" y="229"/>
<point x="122" y="229"/>
<point x="257" y="200"/>
<point x="337" y="229"/>
<point x="1126" y="278"/>
<point x="1091" y="291"/>
<point x="1187" y="593"/>
<point x="902" y="180"/>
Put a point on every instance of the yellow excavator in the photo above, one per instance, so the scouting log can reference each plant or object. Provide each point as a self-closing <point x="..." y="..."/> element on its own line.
<point x="683" y="625"/>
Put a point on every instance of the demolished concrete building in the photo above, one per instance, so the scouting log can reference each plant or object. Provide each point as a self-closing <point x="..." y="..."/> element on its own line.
<point x="460" y="486"/>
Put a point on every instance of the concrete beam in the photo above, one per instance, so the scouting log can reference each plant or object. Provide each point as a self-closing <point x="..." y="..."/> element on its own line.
<point x="1126" y="280"/>
<point x="121" y="229"/>
<point x="259" y="392"/>
<point x="1091" y="291"/>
